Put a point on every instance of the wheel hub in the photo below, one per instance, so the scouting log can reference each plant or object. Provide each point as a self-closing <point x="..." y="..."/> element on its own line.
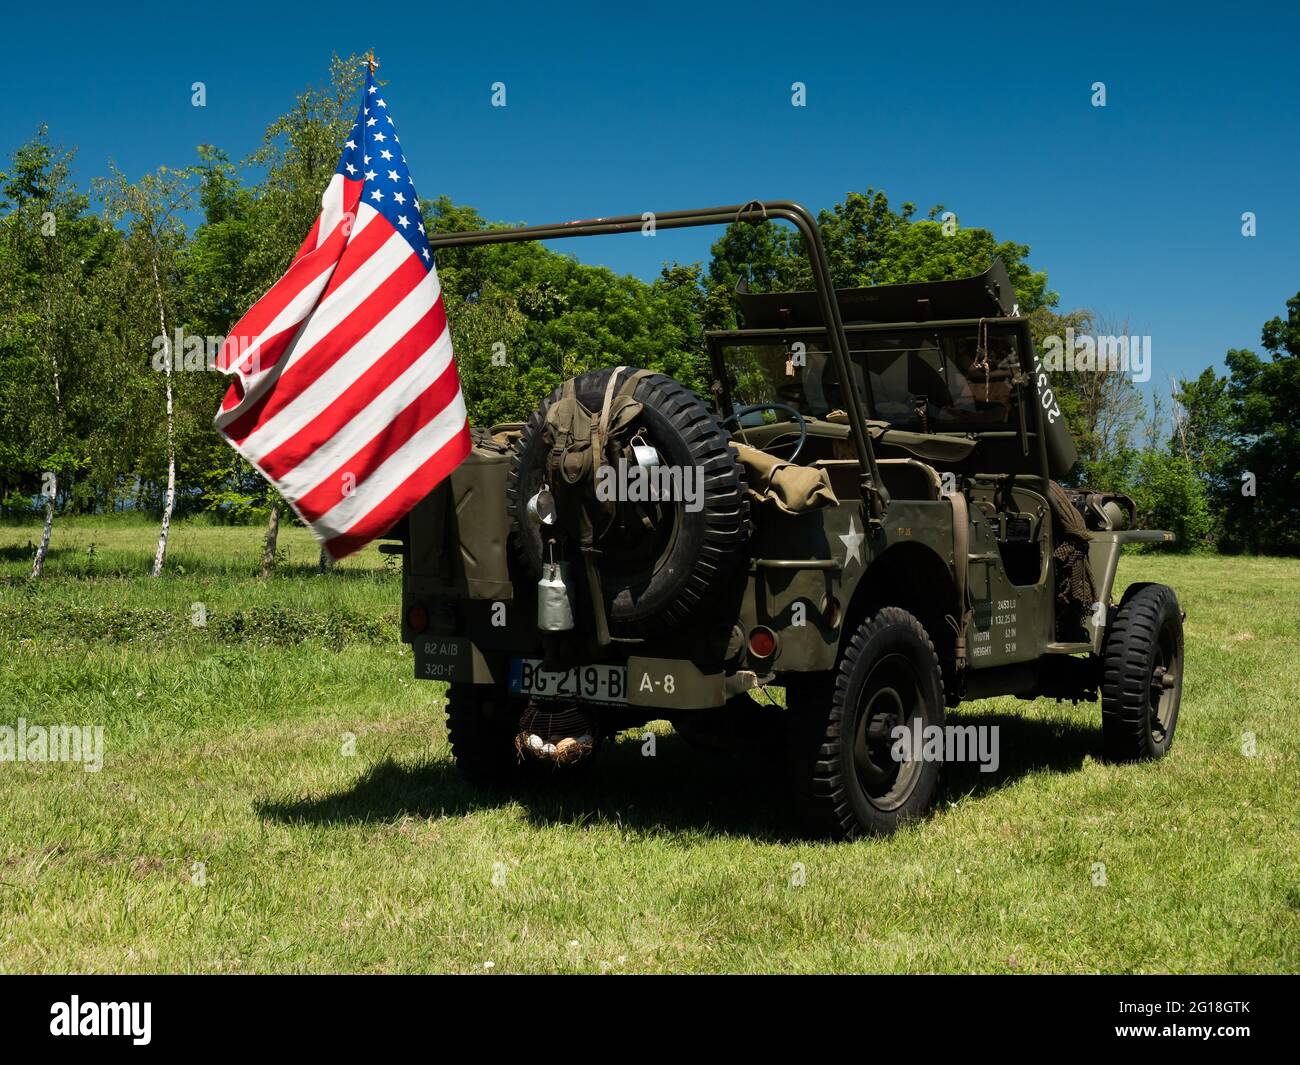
<point x="891" y="697"/>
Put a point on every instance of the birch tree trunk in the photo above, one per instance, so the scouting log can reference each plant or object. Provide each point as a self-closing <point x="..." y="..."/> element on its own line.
<point x="170" y="499"/>
<point x="50" y="482"/>
<point x="272" y="535"/>
<point x="38" y="563"/>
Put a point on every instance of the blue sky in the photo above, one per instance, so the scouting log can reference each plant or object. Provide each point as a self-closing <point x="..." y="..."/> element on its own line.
<point x="1133" y="209"/>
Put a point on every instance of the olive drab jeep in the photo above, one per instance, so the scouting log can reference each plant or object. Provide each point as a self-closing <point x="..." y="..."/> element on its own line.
<point x="865" y="511"/>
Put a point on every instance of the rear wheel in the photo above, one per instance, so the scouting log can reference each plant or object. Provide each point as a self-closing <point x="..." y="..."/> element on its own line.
<point x="482" y="723"/>
<point x="854" y="778"/>
<point x="1142" y="675"/>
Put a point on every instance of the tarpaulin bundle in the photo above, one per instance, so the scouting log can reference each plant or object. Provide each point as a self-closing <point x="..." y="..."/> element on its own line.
<point x="791" y="489"/>
<point x="1075" y="589"/>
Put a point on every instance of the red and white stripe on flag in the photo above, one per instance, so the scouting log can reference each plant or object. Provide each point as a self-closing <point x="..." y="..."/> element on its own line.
<point x="345" y="393"/>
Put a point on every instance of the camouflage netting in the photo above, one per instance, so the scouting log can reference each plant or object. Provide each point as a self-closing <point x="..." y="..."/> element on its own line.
<point x="1075" y="590"/>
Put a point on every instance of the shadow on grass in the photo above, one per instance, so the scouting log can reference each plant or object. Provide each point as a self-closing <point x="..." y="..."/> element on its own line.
<point x="302" y="570"/>
<point x="26" y="552"/>
<point x="113" y="563"/>
<point x="681" y="791"/>
<point x="1026" y="745"/>
<point x="193" y="567"/>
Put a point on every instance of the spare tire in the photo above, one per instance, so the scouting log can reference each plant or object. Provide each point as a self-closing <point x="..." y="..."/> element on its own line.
<point x="651" y="578"/>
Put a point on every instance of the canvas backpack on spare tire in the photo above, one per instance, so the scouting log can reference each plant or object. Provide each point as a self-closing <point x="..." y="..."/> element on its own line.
<point x="655" y="563"/>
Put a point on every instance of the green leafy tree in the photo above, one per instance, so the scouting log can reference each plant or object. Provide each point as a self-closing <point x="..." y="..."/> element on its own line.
<point x="524" y="318"/>
<point x="1264" y="399"/>
<point x="1169" y="495"/>
<point x="221" y="281"/>
<point x="49" y="249"/>
<point x="867" y="243"/>
<point x="152" y="210"/>
<point x="1203" y="436"/>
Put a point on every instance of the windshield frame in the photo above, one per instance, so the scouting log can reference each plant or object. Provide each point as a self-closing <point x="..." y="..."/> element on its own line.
<point x="1027" y="416"/>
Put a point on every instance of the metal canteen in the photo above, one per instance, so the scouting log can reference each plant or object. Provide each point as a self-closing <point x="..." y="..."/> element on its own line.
<point x="647" y="457"/>
<point x="541" y="508"/>
<point x="554" y="603"/>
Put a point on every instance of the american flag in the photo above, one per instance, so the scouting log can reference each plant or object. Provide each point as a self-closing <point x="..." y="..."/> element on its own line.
<point x="345" y="393"/>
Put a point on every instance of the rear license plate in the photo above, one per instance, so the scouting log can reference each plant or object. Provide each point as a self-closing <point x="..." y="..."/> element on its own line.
<point x="444" y="658"/>
<point x="592" y="684"/>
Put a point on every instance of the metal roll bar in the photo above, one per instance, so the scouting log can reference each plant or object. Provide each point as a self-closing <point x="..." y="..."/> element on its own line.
<point x="752" y="212"/>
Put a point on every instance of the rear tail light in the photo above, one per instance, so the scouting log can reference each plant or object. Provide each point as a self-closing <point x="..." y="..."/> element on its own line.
<point x="762" y="642"/>
<point x="417" y="618"/>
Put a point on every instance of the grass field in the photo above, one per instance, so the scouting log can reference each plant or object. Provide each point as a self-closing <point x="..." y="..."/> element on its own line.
<point x="233" y="828"/>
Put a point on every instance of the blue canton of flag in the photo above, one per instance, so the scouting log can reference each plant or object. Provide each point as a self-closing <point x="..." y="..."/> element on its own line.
<point x="373" y="154"/>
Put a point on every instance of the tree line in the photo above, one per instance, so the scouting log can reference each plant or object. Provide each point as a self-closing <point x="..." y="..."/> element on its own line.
<point x="114" y="297"/>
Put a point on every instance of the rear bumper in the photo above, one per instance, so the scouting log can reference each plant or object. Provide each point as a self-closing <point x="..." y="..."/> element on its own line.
<point x="651" y="682"/>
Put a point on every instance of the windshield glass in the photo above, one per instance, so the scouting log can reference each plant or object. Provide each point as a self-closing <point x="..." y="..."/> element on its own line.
<point x="927" y="381"/>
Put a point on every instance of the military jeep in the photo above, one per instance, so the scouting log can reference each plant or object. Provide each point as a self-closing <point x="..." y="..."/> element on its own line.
<point x="865" y="512"/>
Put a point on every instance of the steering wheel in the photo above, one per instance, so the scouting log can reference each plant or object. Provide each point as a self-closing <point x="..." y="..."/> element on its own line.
<point x="740" y="412"/>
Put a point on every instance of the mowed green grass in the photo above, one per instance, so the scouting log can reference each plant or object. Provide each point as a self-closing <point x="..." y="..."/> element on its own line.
<point x="233" y="829"/>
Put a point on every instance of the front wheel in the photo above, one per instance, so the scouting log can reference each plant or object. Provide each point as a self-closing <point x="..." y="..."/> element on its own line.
<point x="1142" y="675"/>
<point x="855" y="769"/>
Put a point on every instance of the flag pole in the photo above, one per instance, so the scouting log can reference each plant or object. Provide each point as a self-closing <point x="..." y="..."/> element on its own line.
<point x="372" y="62"/>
